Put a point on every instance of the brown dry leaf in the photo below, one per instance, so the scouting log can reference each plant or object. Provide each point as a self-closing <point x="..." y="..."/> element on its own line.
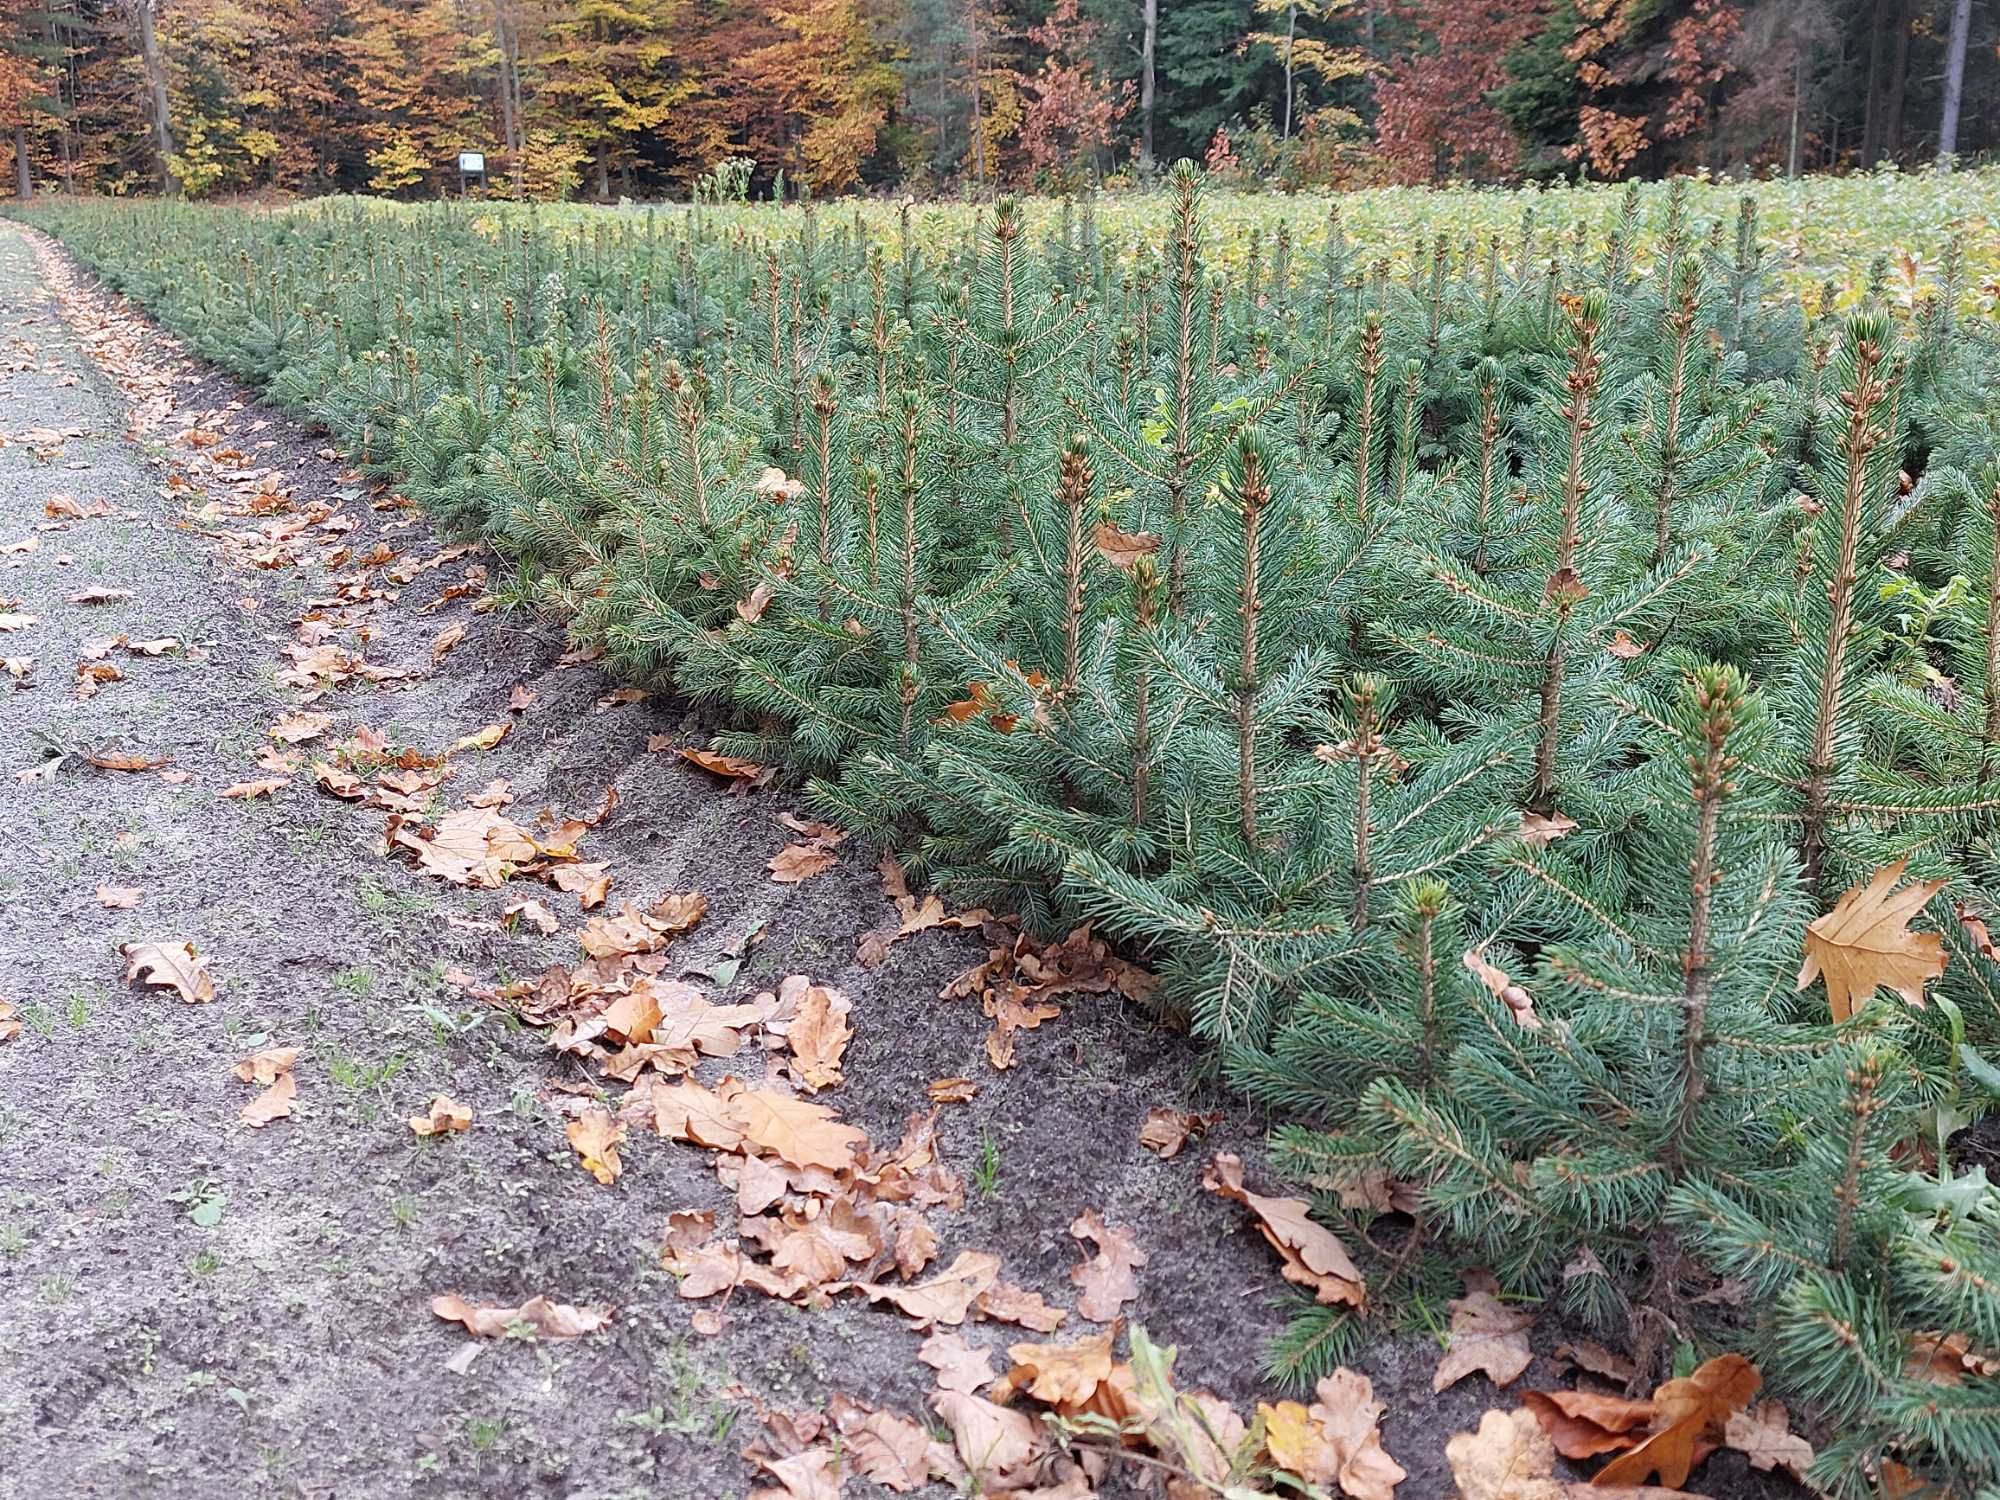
<point x="1508" y="1458"/>
<point x="1123" y="549"/>
<point x="686" y="1111"/>
<point x="10" y="620"/>
<point x="521" y="698"/>
<point x="1511" y="1458"/>
<point x="1004" y="1302"/>
<point x="1539" y="830"/>
<point x="1624" y="647"/>
<point x="534" y="914"/>
<point x="589" y="883"/>
<point x="172" y="965"/>
<point x="947" y="1296"/>
<point x="100" y="596"/>
<point x="118" y="897"/>
<point x="595" y="1136"/>
<point x="1486" y="1334"/>
<point x="275" y="1103"/>
<point x="473" y="846"/>
<point x="450" y="636"/>
<point x="1312" y="1255"/>
<point x="951" y="1090"/>
<point x="883" y="1445"/>
<point x="1165" y="1130"/>
<point x="1689" y="1417"/>
<point x="246" y="791"/>
<point x="818" y="1036"/>
<point x="1500" y="985"/>
<point x="549" y="1320"/>
<point x="1763" y="1434"/>
<point x="1865" y="944"/>
<point x="10" y="1026"/>
<point x="92" y="675"/>
<point x="446" y="1116"/>
<point x="296" y="729"/>
<point x="122" y="760"/>
<point x="484" y="739"/>
<point x="795" y="1131"/>
<point x="992" y="1441"/>
<point x="1598" y="1360"/>
<point x="266" y="1067"/>
<point x="796" y="862"/>
<point x="1065" y="1376"/>
<point x="1105" y="1281"/>
<point x="1348" y="1417"/>
<point x="1585" y="1424"/>
<point x="960" y="1367"/>
<point x="730" y="767"/>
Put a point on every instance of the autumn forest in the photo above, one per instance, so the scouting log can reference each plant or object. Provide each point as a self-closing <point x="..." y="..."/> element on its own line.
<point x="649" y="98"/>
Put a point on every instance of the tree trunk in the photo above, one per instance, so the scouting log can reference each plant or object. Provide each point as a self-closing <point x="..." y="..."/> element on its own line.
<point x="1148" y="41"/>
<point x="1798" y="110"/>
<point x="156" y="90"/>
<point x="1899" y="77"/>
<point x="1954" y="80"/>
<point x="1871" y="119"/>
<point x="24" y="179"/>
<point x="978" y="117"/>
<point x="603" y="172"/>
<point x="1291" y="37"/>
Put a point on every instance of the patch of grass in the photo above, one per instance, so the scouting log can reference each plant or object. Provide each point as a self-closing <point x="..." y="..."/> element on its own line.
<point x="205" y="1263"/>
<point x="986" y="1171"/>
<point x="78" y="1009"/>
<point x="13" y="1240"/>
<point x="57" y="1287"/>
<point x="384" y="904"/>
<point x="357" y="983"/>
<point x="39" y="1020"/>
<point x="483" y="1434"/>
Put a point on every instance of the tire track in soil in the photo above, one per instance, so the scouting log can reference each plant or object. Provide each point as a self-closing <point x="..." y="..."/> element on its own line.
<point x="289" y="1348"/>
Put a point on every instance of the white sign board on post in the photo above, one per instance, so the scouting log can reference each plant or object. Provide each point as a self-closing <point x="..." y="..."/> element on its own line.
<point x="472" y="163"/>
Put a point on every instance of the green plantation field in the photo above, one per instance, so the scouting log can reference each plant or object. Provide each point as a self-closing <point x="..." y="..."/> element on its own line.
<point x="1531" y="696"/>
<point x="1816" y="230"/>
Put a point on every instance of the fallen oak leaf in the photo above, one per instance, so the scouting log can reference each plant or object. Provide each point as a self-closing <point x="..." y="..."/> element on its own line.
<point x="1486" y="1335"/>
<point x="170" y="965"/>
<point x="484" y="739"/>
<point x="1690" y="1415"/>
<point x="1123" y="549"/>
<point x="1501" y="986"/>
<point x="1865" y="944"/>
<point x="450" y="636"/>
<point x="1165" y="1131"/>
<point x="274" y="1103"/>
<point x="1763" y="1435"/>
<point x="746" y="773"/>
<point x="1312" y="1256"/>
<point x="446" y="1116"/>
<point x="1003" y="1302"/>
<point x="594" y="1135"/>
<point x="246" y="791"/>
<point x="1348" y="1417"/>
<point x="1511" y="1458"/>
<point x="549" y="1320"/>
<point x="951" y="1090"/>
<point x="797" y="862"/>
<point x="960" y="1367"/>
<point x="1106" y="1281"/>
<point x="1586" y="1424"/>
<point x="947" y="1296"/>
<point x="118" y="897"/>
<point x="795" y="1131"/>
<point x="534" y="914"/>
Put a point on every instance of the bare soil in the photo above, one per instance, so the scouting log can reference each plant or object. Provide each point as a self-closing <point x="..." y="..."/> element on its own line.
<point x="288" y="1348"/>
